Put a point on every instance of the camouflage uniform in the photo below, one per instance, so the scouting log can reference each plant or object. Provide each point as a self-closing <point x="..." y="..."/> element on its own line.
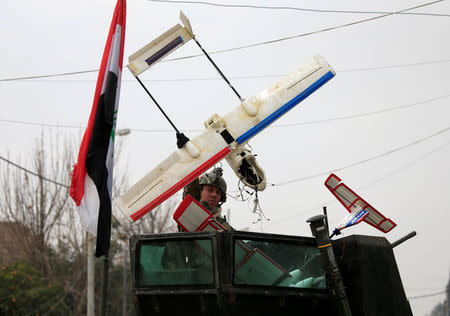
<point x="212" y="178"/>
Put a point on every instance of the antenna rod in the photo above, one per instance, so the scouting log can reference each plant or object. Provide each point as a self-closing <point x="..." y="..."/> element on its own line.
<point x="181" y="138"/>
<point x="326" y="220"/>
<point x="220" y="72"/>
<point x="403" y="239"/>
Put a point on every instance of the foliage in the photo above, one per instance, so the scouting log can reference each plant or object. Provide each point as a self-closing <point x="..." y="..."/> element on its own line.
<point x="438" y="310"/>
<point x="25" y="291"/>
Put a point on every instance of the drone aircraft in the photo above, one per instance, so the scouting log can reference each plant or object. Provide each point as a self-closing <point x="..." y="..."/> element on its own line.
<point x="225" y="136"/>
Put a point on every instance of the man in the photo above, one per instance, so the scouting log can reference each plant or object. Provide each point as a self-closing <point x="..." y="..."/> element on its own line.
<point x="211" y="191"/>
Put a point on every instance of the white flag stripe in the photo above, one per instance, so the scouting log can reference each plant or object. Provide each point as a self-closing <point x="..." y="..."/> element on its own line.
<point x="89" y="206"/>
<point x="115" y="48"/>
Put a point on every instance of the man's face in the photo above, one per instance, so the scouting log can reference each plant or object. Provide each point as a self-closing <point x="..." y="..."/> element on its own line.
<point x="211" y="195"/>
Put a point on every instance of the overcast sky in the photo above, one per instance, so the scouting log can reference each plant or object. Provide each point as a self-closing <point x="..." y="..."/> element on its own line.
<point x="382" y="122"/>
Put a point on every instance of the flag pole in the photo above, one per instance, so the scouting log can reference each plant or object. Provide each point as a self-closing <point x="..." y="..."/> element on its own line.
<point x="90" y="308"/>
<point x="104" y="285"/>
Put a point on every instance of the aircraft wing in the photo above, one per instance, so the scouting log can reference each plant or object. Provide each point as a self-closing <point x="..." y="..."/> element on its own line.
<point x="222" y="135"/>
<point x="353" y="202"/>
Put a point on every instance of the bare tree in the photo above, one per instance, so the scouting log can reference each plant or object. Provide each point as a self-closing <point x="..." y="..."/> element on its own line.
<point x="34" y="204"/>
<point x="40" y="223"/>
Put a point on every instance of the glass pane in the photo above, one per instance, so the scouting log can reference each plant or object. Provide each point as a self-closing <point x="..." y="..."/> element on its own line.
<point x="277" y="263"/>
<point x="181" y="262"/>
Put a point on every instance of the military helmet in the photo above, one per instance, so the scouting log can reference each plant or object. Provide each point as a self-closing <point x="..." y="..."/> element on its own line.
<point x="215" y="178"/>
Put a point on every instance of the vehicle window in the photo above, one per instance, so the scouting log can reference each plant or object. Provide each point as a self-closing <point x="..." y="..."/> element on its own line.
<point x="277" y="263"/>
<point x="177" y="262"/>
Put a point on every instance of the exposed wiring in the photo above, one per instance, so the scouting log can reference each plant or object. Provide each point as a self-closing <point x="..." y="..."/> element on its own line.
<point x="257" y="209"/>
<point x="241" y="189"/>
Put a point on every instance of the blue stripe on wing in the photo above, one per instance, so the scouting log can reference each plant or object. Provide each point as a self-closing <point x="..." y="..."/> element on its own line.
<point x="289" y="105"/>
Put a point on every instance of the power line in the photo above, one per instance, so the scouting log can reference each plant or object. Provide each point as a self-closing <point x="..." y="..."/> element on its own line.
<point x="289" y="181"/>
<point x="272" y="126"/>
<point x="426" y="295"/>
<point x="239" y="47"/>
<point x="290" y="8"/>
<point x="393" y="172"/>
<point x="33" y="173"/>
<point x="365" y="160"/>
<point x="43" y="178"/>
<point x="50" y="75"/>
<point x="405" y="166"/>
<point x="42" y="124"/>
<point x="36" y="79"/>
<point x="365" y="113"/>
<point x="397" y="66"/>
<point x="168" y="80"/>
<point x="309" y="33"/>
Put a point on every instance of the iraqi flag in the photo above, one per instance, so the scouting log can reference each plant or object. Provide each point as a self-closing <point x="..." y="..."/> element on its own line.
<point x="92" y="175"/>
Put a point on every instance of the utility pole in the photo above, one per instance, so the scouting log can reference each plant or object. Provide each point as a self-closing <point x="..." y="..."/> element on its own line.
<point x="447" y="300"/>
<point x="124" y="286"/>
<point x="90" y="309"/>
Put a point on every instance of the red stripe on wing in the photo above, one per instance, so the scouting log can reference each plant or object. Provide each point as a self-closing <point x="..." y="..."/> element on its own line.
<point x="180" y="184"/>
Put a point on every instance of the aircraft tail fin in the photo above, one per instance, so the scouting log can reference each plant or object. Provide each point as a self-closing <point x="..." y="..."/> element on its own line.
<point x="160" y="47"/>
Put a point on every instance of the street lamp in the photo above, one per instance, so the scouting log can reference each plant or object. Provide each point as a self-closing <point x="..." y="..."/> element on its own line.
<point x="123" y="131"/>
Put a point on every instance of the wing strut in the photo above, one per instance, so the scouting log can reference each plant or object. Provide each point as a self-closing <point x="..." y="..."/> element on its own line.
<point x="181" y="138"/>
<point x="151" y="54"/>
<point x="218" y="70"/>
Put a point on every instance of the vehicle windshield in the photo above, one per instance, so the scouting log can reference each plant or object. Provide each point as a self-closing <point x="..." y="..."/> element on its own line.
<point x="260" y="262"/>
<point x="177" y="262"/>
<point x="277" y="263"/>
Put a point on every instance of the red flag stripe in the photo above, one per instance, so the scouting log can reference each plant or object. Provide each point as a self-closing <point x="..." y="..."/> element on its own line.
<point x="79" y="171"/>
